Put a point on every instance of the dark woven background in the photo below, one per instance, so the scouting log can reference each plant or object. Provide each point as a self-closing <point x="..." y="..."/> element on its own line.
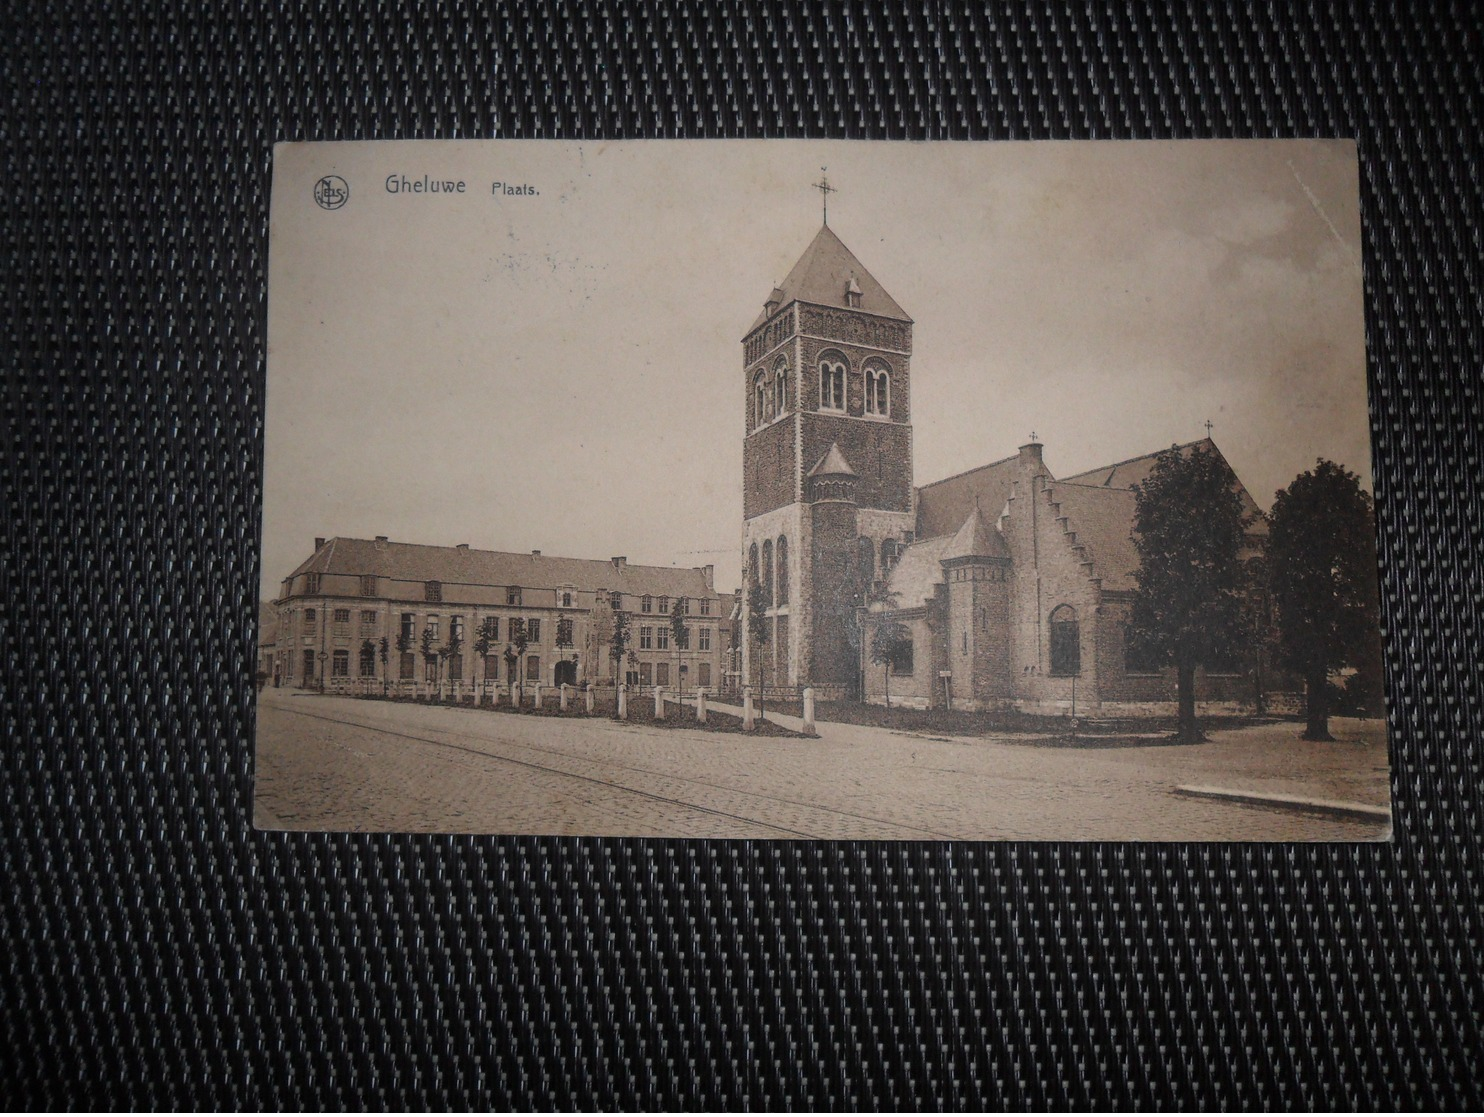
<point x="158" y="952"/>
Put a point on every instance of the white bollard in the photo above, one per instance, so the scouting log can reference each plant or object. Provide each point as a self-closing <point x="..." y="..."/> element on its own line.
<point x="701" y="704"/>
<point x="623" y="701"/>
<point x="536" y="697"/>
<point x="562" y="698"/>
<point x="587" y="694"/>
<point x="659" y="703"/>
<point x="749" y="720"/>
<point x="808" y="709"/>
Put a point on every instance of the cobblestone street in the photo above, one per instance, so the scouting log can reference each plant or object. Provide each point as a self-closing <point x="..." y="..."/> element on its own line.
<point x="326" y="763"/>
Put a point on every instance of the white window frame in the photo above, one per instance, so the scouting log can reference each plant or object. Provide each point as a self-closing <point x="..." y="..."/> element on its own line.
<point x="831" y="374"/>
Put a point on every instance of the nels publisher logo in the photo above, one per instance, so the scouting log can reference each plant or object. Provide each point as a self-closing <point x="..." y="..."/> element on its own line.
<point x="331" y="192"/>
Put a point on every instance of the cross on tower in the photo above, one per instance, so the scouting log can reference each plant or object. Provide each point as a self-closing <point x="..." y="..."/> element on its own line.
<point x="825" y="190"/>
<point x="1208" y="428"/>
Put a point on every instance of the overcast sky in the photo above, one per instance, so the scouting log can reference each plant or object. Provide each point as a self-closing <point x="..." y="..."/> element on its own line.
<point x="562" y="370"/>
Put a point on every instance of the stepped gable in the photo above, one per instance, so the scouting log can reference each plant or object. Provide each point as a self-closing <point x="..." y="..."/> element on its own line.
<point x="1100" y="522"/>
<point x="1126" y="474"/>
<point x="976" y="539"/>
<point x="943" y="506"/>
<point x="824" y="274"/>
<point x="914" y="580"/>
<point x="454" y="566"/>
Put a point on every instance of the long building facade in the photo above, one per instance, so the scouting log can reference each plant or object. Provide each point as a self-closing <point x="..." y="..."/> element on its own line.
<point x="358" y="613"/>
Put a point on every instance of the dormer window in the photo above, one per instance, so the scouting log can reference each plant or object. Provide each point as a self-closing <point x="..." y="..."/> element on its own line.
<point x="432" y="591"/>
<point x="311" y="583"/>
<point x="853" y="294"/>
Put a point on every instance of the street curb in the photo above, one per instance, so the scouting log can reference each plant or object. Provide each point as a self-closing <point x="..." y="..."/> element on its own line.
<point x="1299" y="802"/>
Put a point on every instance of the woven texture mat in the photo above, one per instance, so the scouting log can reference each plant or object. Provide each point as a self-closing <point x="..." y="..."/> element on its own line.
<point x="158" y="952"/>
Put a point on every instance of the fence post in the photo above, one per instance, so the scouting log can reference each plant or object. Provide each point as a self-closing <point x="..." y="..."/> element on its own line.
<point x="587" y="692"/>
<point x="562" y="701"/>
<point x="659" y="702"/>
<point x="536" y="697"/>
<point x="623" y="702"/>
<point x="748" y="718"/>
<point x="808" y="709"/>
<point x="701" y="704"/>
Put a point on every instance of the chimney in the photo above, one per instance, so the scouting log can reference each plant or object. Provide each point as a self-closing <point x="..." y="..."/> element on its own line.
<point x="319" y="541"/>
<point x="462" y="547"/>
<point x="620" y="562"/>
<point x="536" y="554"/>
<point x="1030" y="457"/>
<point x="381" y="542"/>
<point x="708" y="573"/>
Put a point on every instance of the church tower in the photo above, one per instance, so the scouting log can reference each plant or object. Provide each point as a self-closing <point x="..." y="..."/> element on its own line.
<point x="827" y="462"/>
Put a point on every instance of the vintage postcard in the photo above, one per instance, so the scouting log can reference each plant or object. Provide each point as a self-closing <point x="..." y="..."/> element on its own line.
<point x="807" y="490"/>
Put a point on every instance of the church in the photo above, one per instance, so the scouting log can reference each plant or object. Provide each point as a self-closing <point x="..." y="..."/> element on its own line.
<point x="1014" y="585"/>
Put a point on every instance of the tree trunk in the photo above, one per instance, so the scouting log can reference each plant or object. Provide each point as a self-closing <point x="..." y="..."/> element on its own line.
<point x="1316" y="702"/>
<point x="1188" y="732"/>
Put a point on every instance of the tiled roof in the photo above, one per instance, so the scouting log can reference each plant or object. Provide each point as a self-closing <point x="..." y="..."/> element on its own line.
<point x="832" y="464"/>
<point x="1134" y="471"/>
<point x="976" y="539"/>
<point x="822" y="275"/>
<point x="943" y="506"/>
<point x="918" y="571"/>
<point x="415" y="562"/>
<point x="1103" y="520"/>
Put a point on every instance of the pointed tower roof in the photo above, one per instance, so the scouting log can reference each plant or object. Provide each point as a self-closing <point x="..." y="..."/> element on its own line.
<point x="826" y="272"/>
<point x="976" y="539"/>
<point x="833" y="464"/>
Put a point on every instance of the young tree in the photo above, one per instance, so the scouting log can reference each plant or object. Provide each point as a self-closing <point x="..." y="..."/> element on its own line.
<point x="564" y="640"/>
<point x="383" y="654"/>
<point x="1188" y="530"/>
<point x="368" y="651"/>
<point x="679" y="635"/>
<point x="519" y="641"/>
<point x="618" y="645"/>
<point x="1322" y="559"/>
<point x="404" y="643"/>
<point x="484" y="643"/>
<point x="890" y="641"/>
<point x="512" y="659"/>
<point x="429" y="645"/>
<point x="451" y="651"/>
<point x="757" y="625"/>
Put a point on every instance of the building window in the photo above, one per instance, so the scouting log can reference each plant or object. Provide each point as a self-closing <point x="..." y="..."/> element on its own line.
<point x="533" y="630"/>
<point x="408" y="667"/>
<point x="703" y="674"/>
<point x="310" y="619"/>
<point x="368" y="585"/>
<point x="705" y="640"/>
<point x="307" y="666"/>
<point x="533" y="668"/>
<point x="340" y="664"/>
<point x="759" y="400"/>
<point x="768" y="572"/>
<point x="646" y="604"/>
<point x="1066" y="641"/>
<point x="342" y="616"/>
<point x="615" y="600"/>
<point x="311" y="583"/>
<point x="662" y="638"/>
<point x="832" y="385"/>
<point x="430" y="670"/>
<point x="782" y="560"/>
<point x="456" y="667"/>
<point x="566" y="599"/>
<point x="433" y="591"/>
<point x="878" y="391"/>
<point x="901" y="664"/>
<point x="890" y="551"/>
<point x="433" y="625"/>
<point x="664" y="605"/>
<point x="491" y="667"/>
<point x="662" y="673"/>
<point x="780" y="387"/>
<point x="705" y="606"/>
<point x="646" y="673"/>
<point x="512" y="595"/>
<point x="646" y="637"/>
<point x="409" y="626"/>
<point x="368" y="661"/>
<point x="368" y="618"/>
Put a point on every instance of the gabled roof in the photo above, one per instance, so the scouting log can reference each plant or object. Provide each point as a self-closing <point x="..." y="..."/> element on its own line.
<point x="822" y="276"/>
<point x="913" y="581"/>
<point x="415" y="562"/>
<point x="1135" y="471"/>
<point x="1103" y="521"/>
<point x="832" y="464"/>
<point x="943" y="506"/>
<point x="976" y="539"/>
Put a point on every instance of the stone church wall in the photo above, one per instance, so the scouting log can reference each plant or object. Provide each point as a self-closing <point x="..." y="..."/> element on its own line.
<point x="879" y="452"/>
<point x="770" y="468"/>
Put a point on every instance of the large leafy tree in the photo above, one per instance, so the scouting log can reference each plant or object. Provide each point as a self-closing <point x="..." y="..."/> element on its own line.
<point x="1187" y="608"/>
<point x="1322" y="561"/>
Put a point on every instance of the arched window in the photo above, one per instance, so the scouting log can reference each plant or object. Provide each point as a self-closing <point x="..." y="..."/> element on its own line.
<point x="759" y="400"/>
<point x="753" y="573"/>
<point x="780" y="388"/>
<point x="865" y="560"/>
<point x="768" y="571"/>
<point x="782" y="560"/>
<point x="832" y="384"/>
<point x="889" y="552"/>
<point x="878" y="390"/>
<point x="1066" y="641"/>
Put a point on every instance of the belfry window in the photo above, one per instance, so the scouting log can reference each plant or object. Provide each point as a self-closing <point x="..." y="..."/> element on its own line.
<point x="832" y="385"/>
<point x="878" y="391"/>
<point x="759" y="400"/>
<point x="780" y="388"/>
<point x="1066" y="641"/>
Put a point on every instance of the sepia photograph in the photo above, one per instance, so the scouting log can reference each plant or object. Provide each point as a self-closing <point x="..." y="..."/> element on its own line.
<point x="805" y="490"/>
